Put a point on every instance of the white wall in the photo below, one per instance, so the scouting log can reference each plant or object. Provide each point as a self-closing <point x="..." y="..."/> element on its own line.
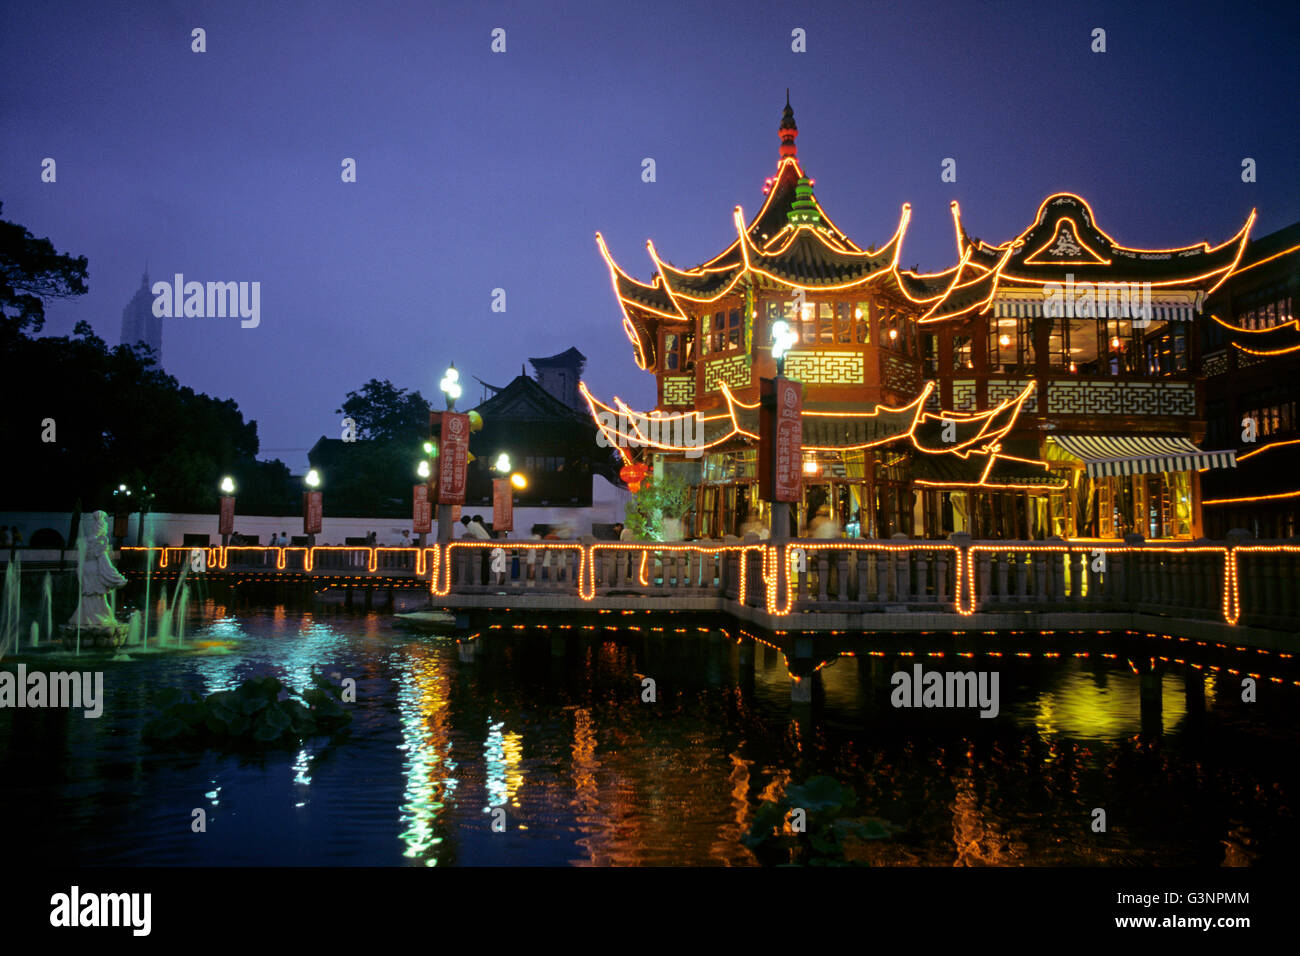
<point x="169" y="529"/>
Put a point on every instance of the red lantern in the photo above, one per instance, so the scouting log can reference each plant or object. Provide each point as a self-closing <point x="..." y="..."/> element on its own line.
<point x="632" y="476"/>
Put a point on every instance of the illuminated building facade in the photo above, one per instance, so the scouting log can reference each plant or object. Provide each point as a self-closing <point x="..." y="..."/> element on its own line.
<point x="1252" y="388"/>
<point x="1043" y="386"/>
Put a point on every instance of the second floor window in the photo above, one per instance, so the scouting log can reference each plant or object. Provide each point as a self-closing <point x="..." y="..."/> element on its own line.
<point x="723" y="331"/>
<point x="1117" y="347"/>
<point x="1011" y="346"/>
<point x="679" y="352"/>
<point x="824" y="323"/>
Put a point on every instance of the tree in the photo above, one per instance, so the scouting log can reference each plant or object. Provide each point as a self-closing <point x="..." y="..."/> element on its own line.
<point x="373" y="475"/>
<point x="386" y="413"/>
<point x="81" y="418"/>
<point x="31" y="271"/>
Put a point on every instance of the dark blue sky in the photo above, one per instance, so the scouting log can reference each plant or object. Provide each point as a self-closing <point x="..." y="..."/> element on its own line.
<point x="479" y="170"/>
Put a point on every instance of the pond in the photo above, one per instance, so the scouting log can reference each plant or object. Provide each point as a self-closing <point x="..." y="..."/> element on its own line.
<point x="548" y="723"/>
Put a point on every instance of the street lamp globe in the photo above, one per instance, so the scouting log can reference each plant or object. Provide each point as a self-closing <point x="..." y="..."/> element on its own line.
<point x="227" y="485"/>
<point x="422" y="469"/>
<point x="312" y="479"/>
<point x="450" y="386"/>
<point x="783" y="339"/>
<point x="502" y="462"/>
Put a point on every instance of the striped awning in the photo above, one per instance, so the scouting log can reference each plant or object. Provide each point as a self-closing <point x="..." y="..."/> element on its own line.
<point x="1141" y="454"/>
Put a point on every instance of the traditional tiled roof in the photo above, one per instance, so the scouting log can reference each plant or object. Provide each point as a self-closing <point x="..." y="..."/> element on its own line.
<point x="1065" y="238"/>
<point x="974" y="443"/>
<point x="791" y="244"/>
<point x="1281" y="339"/>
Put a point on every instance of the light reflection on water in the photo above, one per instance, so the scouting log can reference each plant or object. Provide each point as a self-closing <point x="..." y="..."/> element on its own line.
<point x="421" y="692"/>
<point x="589" y="774"/>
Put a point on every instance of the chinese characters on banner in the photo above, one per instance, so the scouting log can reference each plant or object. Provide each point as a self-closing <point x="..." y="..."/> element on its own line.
<point x="781" y="440"/>
<point x="453" y="458"/>
<point x="226" y="524"/>
<point x="503" y="505"/>
<point x="421" y="510"/>
<point x="311" y="512"/>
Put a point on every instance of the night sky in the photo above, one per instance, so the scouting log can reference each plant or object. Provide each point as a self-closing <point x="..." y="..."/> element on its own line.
<point x="479" y="170"/>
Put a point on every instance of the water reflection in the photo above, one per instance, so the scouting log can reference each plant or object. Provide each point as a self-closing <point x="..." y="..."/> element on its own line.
<point x="550" y="726"/>
<point x="421" y="690"/>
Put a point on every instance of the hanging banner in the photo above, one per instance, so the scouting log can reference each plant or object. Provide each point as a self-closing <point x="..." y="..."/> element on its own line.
<point x="780" y="475"/>
<point x="120" y="520"/>
<point x="226" y="524"/>
<point x="453" y="458"/>
<point x="421" y="509"/>
<point x="312" y="509"/>
<point x="503" y="505"/>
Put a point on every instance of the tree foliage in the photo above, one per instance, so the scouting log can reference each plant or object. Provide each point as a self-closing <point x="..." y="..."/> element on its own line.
<point x="386" y="413"/>
<point x="31" y="272"/>
<point x="113" y="415"/>
<point x="373" y="475"/>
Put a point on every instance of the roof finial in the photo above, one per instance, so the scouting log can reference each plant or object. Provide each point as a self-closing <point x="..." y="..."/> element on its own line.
<point x="788" y="130"/>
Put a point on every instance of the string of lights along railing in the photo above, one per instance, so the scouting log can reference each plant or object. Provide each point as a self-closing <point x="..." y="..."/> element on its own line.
<point x="820" y="575"/>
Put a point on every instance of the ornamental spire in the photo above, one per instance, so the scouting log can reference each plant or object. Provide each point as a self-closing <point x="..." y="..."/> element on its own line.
<point x="804" y="208"/>
<point x="788" y="130"/>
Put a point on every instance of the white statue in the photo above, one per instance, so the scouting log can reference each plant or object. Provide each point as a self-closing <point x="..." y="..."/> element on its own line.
<point x="98" y="576"/>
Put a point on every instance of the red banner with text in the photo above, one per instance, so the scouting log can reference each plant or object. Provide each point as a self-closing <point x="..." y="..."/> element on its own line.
<point x="312" y="508"/>
<point x="453" y="458"/>
<point x="781" y="440"/>
<point x="503" y="505"/>
<point x="421" y="510"/>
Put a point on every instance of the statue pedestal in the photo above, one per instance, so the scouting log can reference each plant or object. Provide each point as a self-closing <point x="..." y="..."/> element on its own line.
<point x="107" y="637"/>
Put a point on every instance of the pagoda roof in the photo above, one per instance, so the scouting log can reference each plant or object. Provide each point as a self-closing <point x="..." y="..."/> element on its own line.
<point x="524" y="400"/>
<point x="792" y="244"/>
<point x="978" y="455"/>
<point x="1065" y="238"/>
<point x="570" y="356"/>
<point x="1280" y="339"/>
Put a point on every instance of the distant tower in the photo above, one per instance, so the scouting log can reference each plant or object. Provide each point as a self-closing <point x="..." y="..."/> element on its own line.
<point x="559" y="375"/>
<point x="139" y="324"/>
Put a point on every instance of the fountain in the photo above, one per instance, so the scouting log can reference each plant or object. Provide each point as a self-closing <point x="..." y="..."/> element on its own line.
<point x="95" y="622"/>
<point x="47" y="600"/>
<point x="97" y="579"/>
<point x="9" y="610"/>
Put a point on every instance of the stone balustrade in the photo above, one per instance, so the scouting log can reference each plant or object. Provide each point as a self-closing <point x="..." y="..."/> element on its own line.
<point x="1236" y="580"/>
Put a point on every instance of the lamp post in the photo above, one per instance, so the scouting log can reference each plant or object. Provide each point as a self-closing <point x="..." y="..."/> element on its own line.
<point x="420" y="516"/>
<point x="121" y="512"/>
<point x="783" y="339"/>
<point x="312" y="507"/>
<point x="451" y="390"/>
<point x="226" y="516"/>
<point x="145" y="499"/>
